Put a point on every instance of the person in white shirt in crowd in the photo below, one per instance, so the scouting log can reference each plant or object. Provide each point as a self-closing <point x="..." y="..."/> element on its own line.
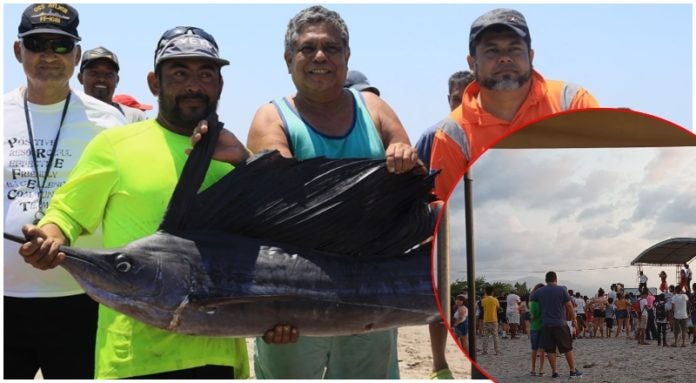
<point x="512" y="313"/>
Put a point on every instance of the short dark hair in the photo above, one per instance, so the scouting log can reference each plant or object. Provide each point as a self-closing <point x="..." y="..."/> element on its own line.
<point x="551" y="277"/>
<point x="489" y="290"/>
<point x="462" y="77"/>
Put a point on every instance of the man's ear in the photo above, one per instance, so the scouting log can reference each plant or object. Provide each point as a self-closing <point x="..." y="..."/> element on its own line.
<point x="531" y="56"/>
<point x="153" y="84"/>
<point x="79" y="78"/>
<point x="222" y="85"/>
<point x="78" y="54"/>
<point x="18" y="51"/>
<point x="288" y="60"/>
<point x="472" y="63"/>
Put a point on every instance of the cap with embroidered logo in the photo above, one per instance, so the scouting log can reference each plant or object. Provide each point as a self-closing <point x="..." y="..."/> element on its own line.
<point x="60" y="19"/>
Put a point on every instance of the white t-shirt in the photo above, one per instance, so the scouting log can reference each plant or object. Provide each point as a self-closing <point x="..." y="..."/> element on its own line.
<point x="86" y="116"/>
<point x="643" y="307"/>
<point x="513" y="301"/>
<point x="132" y="114"/>
<point x="679" y="306"/>
<point x="643" y="279"/>
<point x="579" y="305"/>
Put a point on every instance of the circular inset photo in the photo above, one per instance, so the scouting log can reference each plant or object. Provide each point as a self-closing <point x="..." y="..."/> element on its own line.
<point x="570" y="243"/>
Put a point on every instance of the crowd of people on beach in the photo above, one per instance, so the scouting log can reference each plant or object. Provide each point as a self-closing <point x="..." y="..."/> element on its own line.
<point x="666" y="315"/>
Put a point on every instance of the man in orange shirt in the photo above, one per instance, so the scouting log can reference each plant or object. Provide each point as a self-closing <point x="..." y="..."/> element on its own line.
<point x="507" y="93"/>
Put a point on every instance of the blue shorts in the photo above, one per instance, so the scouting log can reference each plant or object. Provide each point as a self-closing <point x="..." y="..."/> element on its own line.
<point x="621" y="314"/>
<point x="462" y="329"/>
<point x="535" y="339"/>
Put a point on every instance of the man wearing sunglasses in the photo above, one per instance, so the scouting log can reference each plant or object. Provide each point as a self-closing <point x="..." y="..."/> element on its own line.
<point x="46" y="127"/>
<point x="124" y="181"/>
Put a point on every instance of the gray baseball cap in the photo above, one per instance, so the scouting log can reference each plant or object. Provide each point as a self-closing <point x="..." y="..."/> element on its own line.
<point x="501" y="16"/>
<point x="188" y="45"/>
<point x="358" y="81"/>
<point x="99" y="53"/>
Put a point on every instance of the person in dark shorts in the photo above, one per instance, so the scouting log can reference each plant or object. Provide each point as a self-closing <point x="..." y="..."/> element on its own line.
<point x="556" y="308"/>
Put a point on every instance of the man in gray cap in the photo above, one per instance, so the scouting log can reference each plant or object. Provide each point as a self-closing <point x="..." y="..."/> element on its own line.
<point x="358" y="81"/>
<point x="506" y="93"/>
<point x="46" y="126"/>
<point x="124" y="181"/>
<point x="99" y="77"/>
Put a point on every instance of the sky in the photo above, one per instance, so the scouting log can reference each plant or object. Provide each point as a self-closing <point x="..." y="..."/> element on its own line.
<point x="573" y="209"/>
<point x="584" y="213"/>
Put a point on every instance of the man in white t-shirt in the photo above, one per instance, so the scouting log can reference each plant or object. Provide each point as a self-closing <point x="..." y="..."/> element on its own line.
<point x="642" y="281"/>
<point x="513" y="312"/>
<point x="46" y="126"/>
<point x="681" y="316"/>
<point x="579" y="313"/>
<point x="643" y="317"/>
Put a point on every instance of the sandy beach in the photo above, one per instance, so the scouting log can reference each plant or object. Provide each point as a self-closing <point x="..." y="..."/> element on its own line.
<point x="602" y="360"/>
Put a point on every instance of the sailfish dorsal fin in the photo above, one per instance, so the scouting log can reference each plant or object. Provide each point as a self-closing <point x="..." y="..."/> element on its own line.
<point x="191" y="178"/>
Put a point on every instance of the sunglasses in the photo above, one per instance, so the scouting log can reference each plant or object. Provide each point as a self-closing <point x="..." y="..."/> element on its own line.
<point x="179" y="31"/>
<point x="38" y="45"/>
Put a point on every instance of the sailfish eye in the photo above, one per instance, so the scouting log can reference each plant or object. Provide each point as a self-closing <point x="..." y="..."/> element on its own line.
<point x="122" y="263"/>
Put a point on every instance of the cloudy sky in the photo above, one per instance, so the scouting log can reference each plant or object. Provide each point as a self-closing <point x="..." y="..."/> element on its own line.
<point x="585" y="213"/>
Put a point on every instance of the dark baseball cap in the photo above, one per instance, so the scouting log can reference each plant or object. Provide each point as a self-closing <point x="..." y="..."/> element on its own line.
<point x="60" y="19"/>
<point x="187" y="42"/>
<point x="358" y="81"/>
<point x="99" y="53"/>
<point x="501" y="16"/>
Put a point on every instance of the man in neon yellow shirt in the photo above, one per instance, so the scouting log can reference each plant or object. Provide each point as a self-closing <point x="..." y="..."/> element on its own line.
<point x="124" y="180"/>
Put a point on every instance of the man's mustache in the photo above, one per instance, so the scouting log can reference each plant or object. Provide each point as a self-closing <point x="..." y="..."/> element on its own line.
<point x="199" y="96"/>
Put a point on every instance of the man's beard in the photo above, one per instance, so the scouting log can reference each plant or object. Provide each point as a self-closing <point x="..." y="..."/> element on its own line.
<point x="508" y="82"/>
<point x="179" y="116"/>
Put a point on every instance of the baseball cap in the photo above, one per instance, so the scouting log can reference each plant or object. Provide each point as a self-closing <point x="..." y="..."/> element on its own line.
<point x="358" y="81"/>
<point x="501" y="16"/>
<point x="187" y="42"/>
<point x="98" y="53"/>
<point x="127" y="100"/>
<point x="60" y="19"/>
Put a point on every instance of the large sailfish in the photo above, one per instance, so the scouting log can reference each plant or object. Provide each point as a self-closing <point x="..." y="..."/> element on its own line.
<point x="330" y="246"/>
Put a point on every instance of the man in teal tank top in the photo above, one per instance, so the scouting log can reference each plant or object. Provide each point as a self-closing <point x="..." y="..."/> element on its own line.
<point x="124" y="181"/>
<point x="324" y="119"/>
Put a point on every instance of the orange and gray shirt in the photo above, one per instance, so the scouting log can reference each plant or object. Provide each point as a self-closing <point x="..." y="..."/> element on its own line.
<point x="481" y="130"/>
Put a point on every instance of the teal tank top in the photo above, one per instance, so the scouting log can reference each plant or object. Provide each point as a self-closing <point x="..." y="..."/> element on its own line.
<point x="361" y="141"/>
